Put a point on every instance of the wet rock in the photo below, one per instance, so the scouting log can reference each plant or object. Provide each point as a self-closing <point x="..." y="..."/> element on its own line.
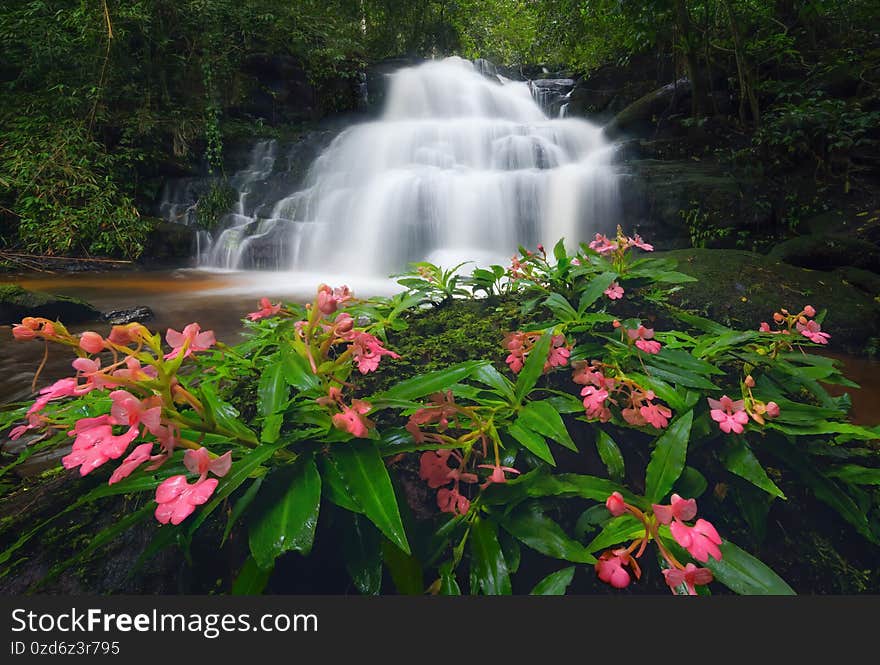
<point x="827" y="251"/>
<point x="551" y="94"/>
<point x="17" y="303"/>
<point x="742" y="289"/>
<point x="642" y="116"/>
<point x="678" y="203"/>
<point x="168" y="241"/>
<point x="119" y="317"/>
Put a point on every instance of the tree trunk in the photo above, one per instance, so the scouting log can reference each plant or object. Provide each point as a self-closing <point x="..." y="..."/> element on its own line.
<point x="747" y="93"/>
<point x="689" y="47"/>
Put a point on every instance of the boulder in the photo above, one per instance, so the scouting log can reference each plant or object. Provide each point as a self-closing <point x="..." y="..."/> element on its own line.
<point x="742" y="289"/>
<point x="642" y="116"/>
<point x="120" y="317"/>
<point x="828" y="251"/>
<point x="17" y="303"/>
<point x="169" y="241"/>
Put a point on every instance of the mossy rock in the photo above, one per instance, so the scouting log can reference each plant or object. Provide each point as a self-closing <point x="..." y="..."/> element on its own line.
<point x="742" y="289"/>
<point x="825" y="252"/>
<point x="17" y="303"/>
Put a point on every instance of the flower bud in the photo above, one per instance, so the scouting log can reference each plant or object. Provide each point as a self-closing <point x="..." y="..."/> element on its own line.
<point x="772" y="409"/>
<point x="778" y="317"/>
<point x="615" y="504"/>
<point x="22" y="332"/>
<point x="809" y="311"/>
<point x="91" y="342"/>
<point x="750" y="382"/>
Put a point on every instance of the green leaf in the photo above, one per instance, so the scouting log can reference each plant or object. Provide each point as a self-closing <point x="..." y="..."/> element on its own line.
<point x="595" y="289"/>
<point x="533" y="368"/>
<point x="618" y="530"/>
<point x="333" y="486"/>
<point x="224" y="414"/>
<point x="272" y="390"/>
<point x="555" y="584"/>
<point x="406" y="570"/>
<point x="825" y="489"/>
<point x="532" y="527"/>
<point x="252" y="579"/>
<point x="531" y="441"/>
<point x="363" y="471"/>
<point x="432" y="382"/>
<point x="491" y="377"/>
<point x="744" y="574"/>
<point x="487" y="561"/>
<point x="362" y="546"/>
<point x="855" y="474"/>
<point x="611" y="456"/>
<point x="290" y="521"/>
<point x="667" y="460"/>
<point x="448" y="583"/>
<point x="297" y="371"/>
<point x="240" y="506"/>
<point x="538" y="483"/>
<point x="691" y="483"/>
<point x="739" y="459"/>
<point x="561" y="308"/>
<point x="541" y="417"/>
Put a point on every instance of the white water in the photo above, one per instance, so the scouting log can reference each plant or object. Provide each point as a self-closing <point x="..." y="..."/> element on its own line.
<point x="458" y="167"/>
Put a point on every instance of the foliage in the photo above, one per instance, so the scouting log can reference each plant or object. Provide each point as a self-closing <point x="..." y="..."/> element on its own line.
<point x="284" y="431"/>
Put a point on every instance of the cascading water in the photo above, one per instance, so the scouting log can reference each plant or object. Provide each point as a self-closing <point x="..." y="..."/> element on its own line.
<point x="458" y="167"/>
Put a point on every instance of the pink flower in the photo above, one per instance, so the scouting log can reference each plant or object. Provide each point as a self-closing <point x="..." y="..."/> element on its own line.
<point x="367" y="351"/>
<point x="611" y="568"/>
<point x="729" y="415"/>
<point x="809" y="310"/>
<point x="636" y="241"/>
<point x="594" y="400"/>
<point x="497" y="475"/>
<point x="434" y="468"/>
<point x="641" y="335"/>
<point x="352" y="419"/>
<point x="559" y="353"/>
<point x="91" y="342"/>
<point x="764" y="327"/>
<point x="515" y="343"/>
<point x="96" y="444"/>
<point x="137" y="457"/>
<point x="680" y="509"/>
<point x="602" y="244"/>
<point x="266" y="309"/>
<point x="615" y="291"/>
<point x="329" y="299"/>
<point x="22" y="333"/>
<point x="615" y="504"/>
<point x="812" y="331"/>
<point x="134" y="371"/>
<point x="691" y="576"/>
<point x="178" y="499"/>
<point x="130" y="411"/>
<point x="200" y="461"/>
<point x="655" y="414"/>
<point x="633" y="416"/>
<point x="700" y="540"/>
<point x="452" y="501"/>
<point x="188" y="341"/>
<point x="127" y="334"/>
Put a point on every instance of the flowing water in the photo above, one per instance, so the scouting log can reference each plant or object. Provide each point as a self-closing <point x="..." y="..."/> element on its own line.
<point x="460" y="166"/>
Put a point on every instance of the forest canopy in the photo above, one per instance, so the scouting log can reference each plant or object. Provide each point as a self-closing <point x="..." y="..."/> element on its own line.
<point x="102" y="98"/>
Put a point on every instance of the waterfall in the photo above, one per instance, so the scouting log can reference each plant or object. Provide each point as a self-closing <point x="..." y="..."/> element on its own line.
<point x="461" y="165"/>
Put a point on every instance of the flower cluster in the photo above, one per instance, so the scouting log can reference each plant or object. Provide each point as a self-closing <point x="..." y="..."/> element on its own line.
<point x="351" y="419"/>
<point x="701" y="541"/>
<point x="802" y="322"/>
<point x="641" y="337"/>
<point x="520" y="344"/>
<point x="144" y="393"/>
<point x="602" y="389"/>
<point x="434" y="465"/>
<point x="616" y="248"/>
<point x="732" y="416"/>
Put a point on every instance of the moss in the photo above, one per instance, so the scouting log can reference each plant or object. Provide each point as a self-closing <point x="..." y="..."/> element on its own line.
<point x="17" y="303"/>
<point x="741" y="289"/>
<point x="450" y="333"/>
